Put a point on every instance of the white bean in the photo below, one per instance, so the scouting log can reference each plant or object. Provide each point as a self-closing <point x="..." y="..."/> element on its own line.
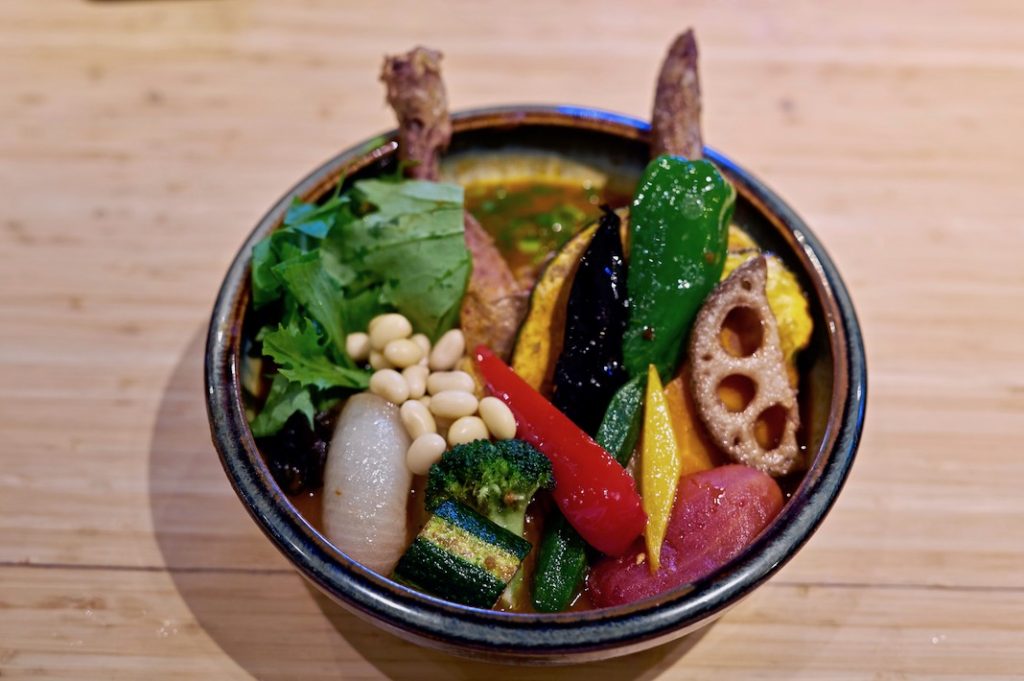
<point x="357" y="346"/>
<point x="498" y="417"/>
<point x="417" y="419"/>
<point x="467" y="429"/>
<point x="443" y="424"/>
<point x="378" y="319"/>
<point x="425" y="401"/>
<point x="447" y="350"/>
<point x="416" y="378"/>
<point x="378" y="361"/>
<point x="402" y="353"/>
<point x="439" y="381"/>
<point x="390" y="385"/>
<point x="421" y="340"/>
<point x="466" y="364"/>
<point x="388" y="327"/>
<point x="424" y="452"/>
<point x="453" y="404"/>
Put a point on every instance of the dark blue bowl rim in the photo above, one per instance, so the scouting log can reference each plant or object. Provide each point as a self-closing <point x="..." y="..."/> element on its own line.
<point x="470" y="629"/>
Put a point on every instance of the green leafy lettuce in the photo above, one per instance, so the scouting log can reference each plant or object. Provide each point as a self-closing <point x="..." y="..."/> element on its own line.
<point x="383" y="245"/>
<point x="285" y="398"/>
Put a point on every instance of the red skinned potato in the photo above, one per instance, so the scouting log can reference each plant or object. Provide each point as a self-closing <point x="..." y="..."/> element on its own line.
<point x="716" y="514"/>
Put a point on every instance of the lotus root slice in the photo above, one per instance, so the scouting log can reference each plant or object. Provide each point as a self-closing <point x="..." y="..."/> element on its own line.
<point x="762" y="363"/>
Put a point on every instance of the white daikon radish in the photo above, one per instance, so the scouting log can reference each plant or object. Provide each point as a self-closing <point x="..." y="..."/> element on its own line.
<point x="367" y="482"/>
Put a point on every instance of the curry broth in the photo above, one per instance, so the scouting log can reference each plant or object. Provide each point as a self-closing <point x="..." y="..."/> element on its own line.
<point x="531" y="219"/>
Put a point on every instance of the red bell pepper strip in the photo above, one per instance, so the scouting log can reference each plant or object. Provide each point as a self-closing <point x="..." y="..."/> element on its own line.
<point x="595" y="494"/>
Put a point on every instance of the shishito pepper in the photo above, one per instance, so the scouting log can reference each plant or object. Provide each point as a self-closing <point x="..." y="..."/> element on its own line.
<point x="679" y="228"/>
<point x="660" y="466"/>
<point x="590" y="370"/>
<point x="561" y="562"/>
<point x="621" y="425"/>
<point x="595" y="494"/>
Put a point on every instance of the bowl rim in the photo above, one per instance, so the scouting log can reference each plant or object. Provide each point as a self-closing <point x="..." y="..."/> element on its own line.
<point x="464" y="628"/>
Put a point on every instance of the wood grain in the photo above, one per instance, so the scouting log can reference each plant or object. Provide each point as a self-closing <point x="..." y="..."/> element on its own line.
<point x="142" y="140"/>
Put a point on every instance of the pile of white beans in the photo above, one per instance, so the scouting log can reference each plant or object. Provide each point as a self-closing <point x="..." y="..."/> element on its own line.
<point x="438" y="404"/>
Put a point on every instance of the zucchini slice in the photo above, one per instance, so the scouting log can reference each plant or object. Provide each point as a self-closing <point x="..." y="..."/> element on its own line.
<point x="461" y="556"/>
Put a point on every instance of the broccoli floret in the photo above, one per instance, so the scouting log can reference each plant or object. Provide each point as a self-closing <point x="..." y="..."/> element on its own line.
<point x="497" y="479"/>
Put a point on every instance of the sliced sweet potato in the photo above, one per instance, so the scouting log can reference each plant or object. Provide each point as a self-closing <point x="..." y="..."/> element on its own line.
<point x="716" y="515"/>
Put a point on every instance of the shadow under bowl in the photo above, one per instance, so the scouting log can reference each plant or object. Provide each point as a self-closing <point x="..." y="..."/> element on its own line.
<point x="833" y="402"/>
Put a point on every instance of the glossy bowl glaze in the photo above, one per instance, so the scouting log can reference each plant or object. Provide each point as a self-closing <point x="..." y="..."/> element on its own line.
<point x="833" y="412"/>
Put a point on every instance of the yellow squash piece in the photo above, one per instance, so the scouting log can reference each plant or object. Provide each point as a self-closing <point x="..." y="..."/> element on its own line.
<point x="787" y="302"/>
<point x="695" y="451"/>
<point x="660" y="466"/>
<point x="540" y="337"/>
<point x="739" y="240"/>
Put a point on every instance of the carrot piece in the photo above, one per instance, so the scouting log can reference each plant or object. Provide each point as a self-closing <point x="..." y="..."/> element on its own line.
<point x="696" y="453"/>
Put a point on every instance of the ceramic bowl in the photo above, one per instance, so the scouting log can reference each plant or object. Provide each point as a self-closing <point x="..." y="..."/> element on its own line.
<point x="834" y="368"/>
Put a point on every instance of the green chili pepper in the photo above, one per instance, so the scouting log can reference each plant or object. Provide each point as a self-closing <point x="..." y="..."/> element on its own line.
<point x="561" y="562"/>
<point x="679" y="228"/>
<point x="621" y="424"/>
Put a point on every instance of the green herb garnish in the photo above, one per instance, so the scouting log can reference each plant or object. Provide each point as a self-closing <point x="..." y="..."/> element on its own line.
<point x="382" y="245"/>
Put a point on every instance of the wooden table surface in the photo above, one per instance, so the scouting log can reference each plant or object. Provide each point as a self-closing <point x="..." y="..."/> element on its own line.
<point x="140" y="141"/>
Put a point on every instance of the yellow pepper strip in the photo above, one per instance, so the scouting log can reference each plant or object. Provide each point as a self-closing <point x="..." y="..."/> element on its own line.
<point x="696" y="453"/>
<point x="660" y="465"/>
